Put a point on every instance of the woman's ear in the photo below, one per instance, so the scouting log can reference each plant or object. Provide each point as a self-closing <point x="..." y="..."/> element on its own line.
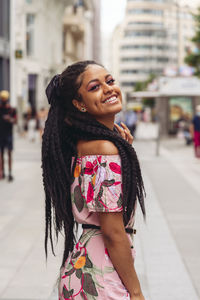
<point x="79" y="105"/>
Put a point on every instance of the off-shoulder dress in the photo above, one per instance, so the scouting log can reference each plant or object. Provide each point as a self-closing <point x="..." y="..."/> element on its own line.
<point x="88" y="273"/>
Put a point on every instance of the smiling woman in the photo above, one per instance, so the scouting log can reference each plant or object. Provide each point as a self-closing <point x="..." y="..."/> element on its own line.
<point x="92" y="176"/>
<point x="100" y="97"/>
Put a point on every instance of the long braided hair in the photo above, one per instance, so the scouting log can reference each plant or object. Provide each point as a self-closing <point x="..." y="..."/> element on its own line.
<point x="64" y="127"/>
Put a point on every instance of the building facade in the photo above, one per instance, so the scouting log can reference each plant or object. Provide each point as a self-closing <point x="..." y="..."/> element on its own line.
<point x="81" y="33"/>
<point x="37" y="50"/>
<point x="153" y="37"/>
<point x="96" y="35"/>
<point x="4" y="44"/>
<point x="49" y="35"/>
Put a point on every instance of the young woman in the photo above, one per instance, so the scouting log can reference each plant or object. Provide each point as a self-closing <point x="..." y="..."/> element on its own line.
<point x="91" y="176"/>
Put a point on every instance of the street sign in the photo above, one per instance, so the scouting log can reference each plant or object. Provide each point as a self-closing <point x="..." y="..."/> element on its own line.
<point x="18" y="54"/>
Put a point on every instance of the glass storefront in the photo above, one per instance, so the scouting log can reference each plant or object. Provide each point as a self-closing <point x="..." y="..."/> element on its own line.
<point x="180" y="113"/>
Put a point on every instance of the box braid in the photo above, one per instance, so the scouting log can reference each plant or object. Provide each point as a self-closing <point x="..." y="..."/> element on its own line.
<point x="64" y="127"/>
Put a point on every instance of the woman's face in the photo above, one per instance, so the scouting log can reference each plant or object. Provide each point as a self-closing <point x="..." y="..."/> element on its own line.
<point x="100" y="96"/>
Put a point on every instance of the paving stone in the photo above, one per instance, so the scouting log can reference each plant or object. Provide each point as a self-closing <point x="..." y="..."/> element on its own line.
<point x="167" y="246"/>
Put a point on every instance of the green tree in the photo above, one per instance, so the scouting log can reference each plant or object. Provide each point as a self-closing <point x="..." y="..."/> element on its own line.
<point x="150" y="102"/>
<point x="193" y="58"/>
<point x="142" y="86"/>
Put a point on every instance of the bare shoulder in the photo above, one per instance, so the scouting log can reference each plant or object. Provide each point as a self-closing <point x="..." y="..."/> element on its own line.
<point x="96" y="147"/>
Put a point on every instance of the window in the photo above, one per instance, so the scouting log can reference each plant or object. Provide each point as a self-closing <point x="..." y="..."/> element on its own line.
<point x="141" y="72"/>
<point x="4" y="73"/>
<point x="5" y="19"/>
<point x="129" y="71"/>
<point x="127" y="84"/>
<point x="145" y="33"/>
<point x="156" y="12"/>
<point x="145" y="47"/>
<point x="157" y="24"/>
<point x="145" y="59"/>
<point x="30" y="22"/>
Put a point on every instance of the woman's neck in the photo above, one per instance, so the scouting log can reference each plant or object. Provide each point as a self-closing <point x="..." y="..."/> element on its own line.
<point x="107" y="121"/>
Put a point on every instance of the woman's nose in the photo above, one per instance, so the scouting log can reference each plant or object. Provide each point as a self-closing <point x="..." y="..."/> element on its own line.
<point x="107" y="88"/>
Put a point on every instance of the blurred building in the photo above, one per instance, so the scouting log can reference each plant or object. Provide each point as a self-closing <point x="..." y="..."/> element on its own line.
<point x="153" y="39"/>
<point x="49" y="35"/>
<point x="81" y="34"/>
<point x="4" y="44"/>
<point x="185" y="31"/>
<point x="96" y="33"/>
<point x="38" y="49"/>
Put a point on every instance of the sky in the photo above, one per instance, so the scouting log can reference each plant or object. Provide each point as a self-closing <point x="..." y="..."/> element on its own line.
<point x="113" y="11"/>
<point x="112" y="14"/>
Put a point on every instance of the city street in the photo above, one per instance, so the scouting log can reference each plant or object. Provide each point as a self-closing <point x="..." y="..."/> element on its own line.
<point x="55" y="51"/>
<point x="167" y="245"/>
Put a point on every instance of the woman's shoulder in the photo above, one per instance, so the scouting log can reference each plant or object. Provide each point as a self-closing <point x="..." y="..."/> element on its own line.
<point x="96" y="147"/>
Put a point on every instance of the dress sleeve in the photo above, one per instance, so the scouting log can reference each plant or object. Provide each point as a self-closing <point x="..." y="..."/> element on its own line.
<point x="103" y="184"/>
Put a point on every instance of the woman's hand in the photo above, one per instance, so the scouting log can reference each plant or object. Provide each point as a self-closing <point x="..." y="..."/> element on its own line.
<point x="125" y="132"/>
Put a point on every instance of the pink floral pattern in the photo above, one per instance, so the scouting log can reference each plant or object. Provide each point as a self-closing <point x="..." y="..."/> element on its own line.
<point x="90" y="193"/>
<point x="115" y="167"/>
<point x="99" y="184"/>
<point x="88" y="272"/>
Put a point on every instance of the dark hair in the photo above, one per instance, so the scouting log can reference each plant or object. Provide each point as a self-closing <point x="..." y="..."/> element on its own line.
<point x="64" y="127"/>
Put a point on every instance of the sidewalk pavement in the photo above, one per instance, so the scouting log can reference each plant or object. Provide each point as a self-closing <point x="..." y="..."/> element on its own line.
<point x="167" y="245"/>
<point x="24" y="273"/>
<point x="170" y="239"/>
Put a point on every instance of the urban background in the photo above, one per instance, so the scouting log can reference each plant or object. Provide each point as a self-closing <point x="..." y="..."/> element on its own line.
<point x="152" y="48"/>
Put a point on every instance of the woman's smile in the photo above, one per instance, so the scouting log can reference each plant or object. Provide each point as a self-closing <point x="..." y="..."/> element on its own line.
<point x="111" y="100"/>
<point x="100" y="95"/>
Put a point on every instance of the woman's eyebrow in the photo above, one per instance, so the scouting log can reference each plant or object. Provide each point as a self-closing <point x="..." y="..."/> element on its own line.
<point x="93" y="80"/>
<point x="107" y="76"/>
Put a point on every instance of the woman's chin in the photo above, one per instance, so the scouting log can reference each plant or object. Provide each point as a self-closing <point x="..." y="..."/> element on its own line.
<point x="118" y="109"/>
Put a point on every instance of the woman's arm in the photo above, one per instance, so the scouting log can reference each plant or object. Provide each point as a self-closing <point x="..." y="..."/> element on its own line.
<point x="119" y="249"/>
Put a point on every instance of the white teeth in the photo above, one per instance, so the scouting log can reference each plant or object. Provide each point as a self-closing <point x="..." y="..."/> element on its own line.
<point x="112" y="99"/>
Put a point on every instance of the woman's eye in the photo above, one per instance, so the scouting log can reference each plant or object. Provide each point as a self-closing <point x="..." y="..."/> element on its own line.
<point x="94" y="87"/>
<point x="111" y="81"/>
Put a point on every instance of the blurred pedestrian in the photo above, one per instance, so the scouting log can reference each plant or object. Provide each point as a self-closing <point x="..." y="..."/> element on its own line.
<point x="184" y="129"/>
<point x="195" y="131"/>
<point x="32" y="124"/>
<point x="131" y="121"/>
<point x="42" y="116"/>
<point x="83" y="160"/>
<point x="7" y="119"/>
<point x="26" y="117"/>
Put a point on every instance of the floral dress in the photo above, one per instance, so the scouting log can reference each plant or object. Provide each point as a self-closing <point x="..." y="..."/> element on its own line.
<point x="88" y="273"/>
